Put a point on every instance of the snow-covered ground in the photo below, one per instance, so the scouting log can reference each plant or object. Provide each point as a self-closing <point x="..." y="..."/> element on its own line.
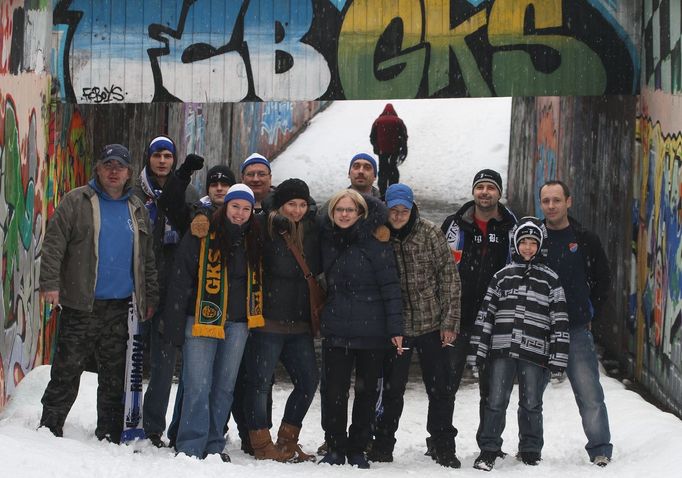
<point x="449" y="140"/>
<point x="646" y="440"/>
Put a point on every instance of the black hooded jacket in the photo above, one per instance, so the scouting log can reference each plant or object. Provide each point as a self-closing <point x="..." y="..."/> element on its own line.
<point x="475" y="268"/>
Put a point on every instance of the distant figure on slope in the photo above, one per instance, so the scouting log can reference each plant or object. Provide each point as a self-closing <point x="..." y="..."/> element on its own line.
<point x="389" y="139"/>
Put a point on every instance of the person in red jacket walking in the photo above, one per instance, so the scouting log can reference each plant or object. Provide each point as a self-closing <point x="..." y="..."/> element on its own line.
<point x="389" y="139"/>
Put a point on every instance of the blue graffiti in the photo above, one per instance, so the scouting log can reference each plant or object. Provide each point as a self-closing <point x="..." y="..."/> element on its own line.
<point x="277" y="118"/>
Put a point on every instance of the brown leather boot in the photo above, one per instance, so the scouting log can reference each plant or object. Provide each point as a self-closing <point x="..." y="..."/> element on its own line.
<point x="287" y="441"/>
<point x="264" y="449"/>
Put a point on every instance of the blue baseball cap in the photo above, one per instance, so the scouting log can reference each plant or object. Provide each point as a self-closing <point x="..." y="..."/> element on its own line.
<point x="399" y="195"/>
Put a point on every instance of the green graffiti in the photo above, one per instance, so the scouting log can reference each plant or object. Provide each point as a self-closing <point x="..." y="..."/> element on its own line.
<point x="368" y="67"/>
<point x="20" y="207"/>
<point x="572" y="67"/>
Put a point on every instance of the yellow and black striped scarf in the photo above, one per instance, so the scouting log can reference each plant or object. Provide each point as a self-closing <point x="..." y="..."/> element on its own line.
<point x="210" y="311"/>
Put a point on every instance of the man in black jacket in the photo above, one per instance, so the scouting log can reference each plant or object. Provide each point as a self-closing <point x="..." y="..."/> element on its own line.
<point x="576" y="254"/>
<point x="478" y="235"/>
<point x="159" y="168"/>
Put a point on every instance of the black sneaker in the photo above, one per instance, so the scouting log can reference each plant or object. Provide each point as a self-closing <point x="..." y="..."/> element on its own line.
<point x="156" y="440"/>
<point x="225" y="457"/>
<point x="447" y="457"/>
<point x="531" y="458"/>
<point x="322" y="449"/>
<point x="380" y="456"/>
<point x="485" y="461"/>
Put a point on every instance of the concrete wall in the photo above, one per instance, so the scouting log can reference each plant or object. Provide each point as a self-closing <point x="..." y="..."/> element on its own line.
<point x="24" y="179"/>
<point x="138" y="51"/>
<point x="655" y="319"/>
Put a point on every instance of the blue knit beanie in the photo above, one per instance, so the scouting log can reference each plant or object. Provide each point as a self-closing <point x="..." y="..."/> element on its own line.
<point x="366" y="157"/>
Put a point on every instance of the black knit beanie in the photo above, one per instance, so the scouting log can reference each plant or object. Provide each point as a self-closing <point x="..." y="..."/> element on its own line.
<point x="220" y="174"/>
<point x="488" y="176"/>
<point x="290" y="189"/>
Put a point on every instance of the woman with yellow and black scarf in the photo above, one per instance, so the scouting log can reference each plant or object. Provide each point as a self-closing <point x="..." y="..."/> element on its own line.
<point x="214" y="297"/>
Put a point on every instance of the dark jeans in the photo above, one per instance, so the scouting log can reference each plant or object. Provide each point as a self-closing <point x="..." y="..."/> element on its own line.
<point x="162" y="357"/>
<point x="438" y="378"/>
<point x="104" y="334"/>
<point x="458" y="356"/>
<point x="532" y="380"/>
<point x="297" y="354"/>
<point x="339" y="364"/>
<point x="388" y="171"/>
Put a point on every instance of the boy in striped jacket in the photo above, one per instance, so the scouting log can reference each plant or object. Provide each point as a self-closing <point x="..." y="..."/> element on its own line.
<point x="522" y="332"/>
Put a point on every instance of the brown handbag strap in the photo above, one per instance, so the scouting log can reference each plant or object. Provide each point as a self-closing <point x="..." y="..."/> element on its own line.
<point x="297" y="255"/>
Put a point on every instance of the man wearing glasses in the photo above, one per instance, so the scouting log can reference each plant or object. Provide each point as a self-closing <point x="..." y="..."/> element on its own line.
<point x="97" y="255"/>
<point x="257" y="175"/>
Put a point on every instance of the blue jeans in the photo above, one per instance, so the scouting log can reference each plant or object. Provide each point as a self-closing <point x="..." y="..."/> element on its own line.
<point x="583" y="374"/>
<point x="297" y="353"/>
<point x="209" y="372"/>
<point x="532" y="380"/>
<point x="162" y="356"/>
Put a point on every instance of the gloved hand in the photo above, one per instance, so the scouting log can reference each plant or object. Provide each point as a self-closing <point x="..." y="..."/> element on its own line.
<point x="557" y="375"/>
<point x="281" y="224"/>
<point x="376" y="150"/>
<point x="193" y="162"/>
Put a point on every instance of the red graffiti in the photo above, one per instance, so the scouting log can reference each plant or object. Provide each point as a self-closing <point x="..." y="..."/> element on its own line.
<point x="6" y="27"/>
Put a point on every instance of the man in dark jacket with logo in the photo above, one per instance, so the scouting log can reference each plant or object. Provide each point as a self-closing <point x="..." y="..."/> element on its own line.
<point x="97" y="255"/>
<point x="479" y="238"/>
<point x="576" y="254"/>
<point x="389" y="140"/>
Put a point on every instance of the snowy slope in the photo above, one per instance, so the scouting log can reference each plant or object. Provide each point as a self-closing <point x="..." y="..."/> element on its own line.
<point x="646" y="441"/>
<point x="449" y="141"/>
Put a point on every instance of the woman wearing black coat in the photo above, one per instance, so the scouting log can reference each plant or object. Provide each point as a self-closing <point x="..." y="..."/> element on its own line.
<point x="360" y="321"/>
<point x="286" y="336"/>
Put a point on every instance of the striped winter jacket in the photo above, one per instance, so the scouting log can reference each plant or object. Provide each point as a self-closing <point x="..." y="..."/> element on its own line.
<point x="523" y="316"/>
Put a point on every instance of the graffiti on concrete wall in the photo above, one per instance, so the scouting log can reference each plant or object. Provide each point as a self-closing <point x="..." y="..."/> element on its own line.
<point x="21" y="233"/>
<point x="205" y="51"/>
<point x="25" y="29"/>
<point x="277" y="120"/>
<point x="547" y="145"/>
<point x="662" y="39"/>
<point x="659" y="236"/>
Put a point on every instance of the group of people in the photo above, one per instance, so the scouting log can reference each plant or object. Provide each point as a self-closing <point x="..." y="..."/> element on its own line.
<point x="225" y="279"/>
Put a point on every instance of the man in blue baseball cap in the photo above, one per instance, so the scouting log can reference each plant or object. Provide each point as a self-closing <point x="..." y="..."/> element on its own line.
<point x="430" y="290"/>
